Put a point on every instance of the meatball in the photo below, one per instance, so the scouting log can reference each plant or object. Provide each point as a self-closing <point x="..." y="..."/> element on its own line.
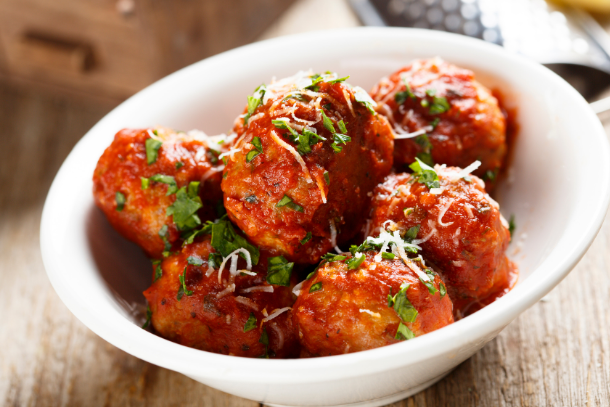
<point x="154" y="184"/>
<point x="308" y="151"/>
<point x="239" y="315"/>
<point x="442" y="115"/>
<point x="347" y="308"/>
<point x="458" y="227"/>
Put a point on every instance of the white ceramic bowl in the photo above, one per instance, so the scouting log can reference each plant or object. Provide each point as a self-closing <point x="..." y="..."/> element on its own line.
<point x="559" y="196"/>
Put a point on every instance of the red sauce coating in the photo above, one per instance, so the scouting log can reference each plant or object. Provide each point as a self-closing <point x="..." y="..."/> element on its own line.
<point x="207" y="321"/>
<point x="331" y="321"/>
<point x="467" y="243"/>
<point x="123" y="164"/>
<point x="253" y="190"/>
<point x="473" y="128"/>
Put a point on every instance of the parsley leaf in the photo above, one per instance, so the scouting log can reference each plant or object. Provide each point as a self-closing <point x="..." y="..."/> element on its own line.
<point x="184" y="209"/>
<point x="401" y="97"/>
<point x="194" y="261"/>
<point x="254" y="101"/>
<point x="355" y="262"/>
<point x="287" y="201"/>
<point x="183" y="290"/>
<point x="225" y="240"/>
<point x="258" y="149"/>
<point x="512" y="225"/>
<point x="443" y="290"/>
<point x="250" y="323"/>
<point x="327" y="177"/>
<point x="158" y="270"/>
<point x="403" y="333"/>
<point x="120" y="201"/>
<point x="163" y="235"/>
<point x="152" y="150"/>
<point x="338" y="138"/>
<point x="401" y="304"/>
<point x="338" y="80"/>
<point x="315" y="287"/>
<point x="144" y="182"/>
<point x="330" y="257"/>
<point x="279" y="271"/>
<point x="148" y="317"/>
<point x="439" y="105"/>
<point x="172" y="187"/>
<point x="328" y="124"/>
<point x="430" y="283"/>
<point x="412" y="233"/>
<point x="387" y="256"/>
<point x="427" y="175"/>
<point x="361" y="96"/>
<point x="264" y="339"/>
<point x="307" y="238"/>
<point x="179" y="165"/>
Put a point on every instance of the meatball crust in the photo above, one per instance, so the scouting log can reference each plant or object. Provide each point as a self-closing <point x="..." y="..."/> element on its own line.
<point x="469" y="127"/>
<point x="124" y="165"/>
<point x="214" y="317"/>
<point x="302" y="203"/>
<point x="349" y="310"/>
<point x="461" y="230"/>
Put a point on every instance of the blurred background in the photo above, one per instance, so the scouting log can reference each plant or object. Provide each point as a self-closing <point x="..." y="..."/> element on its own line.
<point x="64" y="64"/>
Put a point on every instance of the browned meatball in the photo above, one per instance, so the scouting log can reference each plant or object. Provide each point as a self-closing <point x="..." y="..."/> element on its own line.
<point x="347" y="308"/>
<point x="457" y="119"/>
<point x="306" y="156"/>
<point x="241" y="315"/>
<point x="154" y="184"/>
<point x="460" y="229"/>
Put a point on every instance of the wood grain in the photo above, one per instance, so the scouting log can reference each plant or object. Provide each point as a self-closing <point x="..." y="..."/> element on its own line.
<point x="555" y="354"/>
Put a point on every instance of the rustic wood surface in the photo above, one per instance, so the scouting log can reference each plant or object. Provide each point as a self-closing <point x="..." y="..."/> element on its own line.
<point x="555" y="354"/>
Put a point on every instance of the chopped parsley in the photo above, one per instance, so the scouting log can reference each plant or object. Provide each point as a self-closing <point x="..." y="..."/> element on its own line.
<point x="144" y="182"/>
<point x="179" y="165"/>
<point x="303" y="141"/>
<point x="214" y="260"/>
<point x="326" y="177"/>
<point x="401" y="97"/>
<point x="387" y="256"/>
<point x="435" y="122"/>
<point x="338" y="80"/>
<point x="185" y="207"/>
<point x="439" y="105"/>
<point x="152" y="150"/>
<point x="225" y="240"/>
<point x="426" y="174"/>
<point x="287" y="201"/>
<point x="443" y="289"/>
<point x="279" y="271"/>
<point x="355" y="262"/>
<point x="330" y="257"/>
<point x="490" y="175"/>
<point x="401" y="304"/>
<point x="213" y="154"/>
<point x="172" y="187"/>
<point x="338" y="138"/>
<point x="430" y="283"/>
<point x="148" y="317"/>
<point x="315" y="79"/>
<point x="120" y="201"/>
<point x="258" y="149"/>
<point x="250" y="323"/>
<point x="315" y="287"/>
<point x="255" y="101"/>
<point x="362" y="96"/>
<point x="403" y="333"/>
<point x="412" y="233"/>
<point x="425" y="156"/>
<point x="158" y="270"/>
<point x="194" y="261"/>
<point x="163" y="235"/>
<point x="183" y="290"/>
<point x="264" y="339"/>
<point x="512" y="225"/>
<point x="307" y="238"/>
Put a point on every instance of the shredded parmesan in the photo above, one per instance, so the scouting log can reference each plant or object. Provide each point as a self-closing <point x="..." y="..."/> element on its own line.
<point x="436" y="191"/>
<point x="247" y="302"/>
<point x="234" y="258"/>
<point x="466" y="171"/>
<point x="333" y="236"/>
<point x="211" y="172"/>
<point x="230" y="152"/>
<point x="375" y="314"/>
<point x="250" y="273"/>
<point x="321" y="188"/>
<point x="230" y="289"/>
<point x="294" y="153"/>
<point x="279" y="333"/>
<point x="458" y="263"/>
<point x="468" y="210"/>
<point x="348" y="99"/>
<point x="297" y="288"/>
<point x="426" y="238"/>
<point x="419" y="132"/>
<point x="442" y="213"/>
<point x="276" y="313"/>
<point x="262" y="288"/>
<point x="455" y="236"/>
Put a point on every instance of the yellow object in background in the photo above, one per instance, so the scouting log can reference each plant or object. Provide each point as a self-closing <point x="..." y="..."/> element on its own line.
<point x="595" y="6"/>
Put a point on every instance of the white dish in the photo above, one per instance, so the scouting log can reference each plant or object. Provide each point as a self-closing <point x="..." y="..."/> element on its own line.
<point x="559" y="195"/>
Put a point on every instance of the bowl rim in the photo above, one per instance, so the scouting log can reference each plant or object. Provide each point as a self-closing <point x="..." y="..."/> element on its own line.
<point x="149" y="347"/>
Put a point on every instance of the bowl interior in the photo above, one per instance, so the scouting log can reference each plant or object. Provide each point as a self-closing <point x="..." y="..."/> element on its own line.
<point x="557" y="204"/>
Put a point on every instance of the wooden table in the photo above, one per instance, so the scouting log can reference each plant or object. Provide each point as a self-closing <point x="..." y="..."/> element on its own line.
<point x="555" y="354"/>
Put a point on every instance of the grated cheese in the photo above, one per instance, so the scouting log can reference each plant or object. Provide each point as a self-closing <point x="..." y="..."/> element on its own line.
<point x="333" y="236"/>
<point x="375" y="314"/>
<point x="466" y="171"/>
<point x="294" y="153"/>
<point x="436" y="191"/>
<point x="442" y="213"/>
<point x="234" y="258"/>
<point x="404" y="135"/>
<point x="230" y="289"/>
<point x="262" y="288"/>
<point x="247" y="302"/>
<point x="276" y="313"/>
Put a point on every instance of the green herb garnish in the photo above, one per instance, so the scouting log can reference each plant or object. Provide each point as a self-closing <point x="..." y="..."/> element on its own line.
<point x="279" y="271"/>
<point x="255" y="101"/>
<point x="172" y="187"/>
<point x="355" y="262"/>
<point x="403" y="333"/>
<point x="512" y="225"/>
<point x="152" y="150"/>
<point x="443" y="289"/>
<point x="362" y="96"/>
<point x="120" y="201"/>
<point x="401" y="97"/>
<point x="179" y="165"/>
<point x="426" y="174"/>
<point x="163" y="235"/>
<point x="439" y="104"/>
<point x="183" y="290"/>
<point x="430" y="283"/>
<point x="327" y="177"/>
<point x="387" y="256"/>
<point x="315" y="287"/>
<point x="144" y="182"/>
<point x="401" y="304"/>
<point x="330" y="257"/>
<point x="307" y="238"/>
<point x="194" y="261"/>
<point x="158" y="270"/>
<point x="250" y="323"/>
<point x="264" y="339"/>
<point x="412" y="233"/>
<point x="338" y="80"/>
<point x="214" y="260"/>
<point x="287" y="201"/>
<point x="148" y="317"/>
<point x="185" y="207"/>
